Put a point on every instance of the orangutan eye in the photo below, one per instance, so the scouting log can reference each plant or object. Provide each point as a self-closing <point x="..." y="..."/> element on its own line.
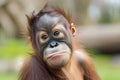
<point x="56" y="33"/>
<point x="44" y="37"/>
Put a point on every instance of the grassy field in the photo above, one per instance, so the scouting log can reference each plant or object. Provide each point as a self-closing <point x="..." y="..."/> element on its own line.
<point x="105" y="69"/>
<point x="14" y="48"/>
<point x="8" y="76"/>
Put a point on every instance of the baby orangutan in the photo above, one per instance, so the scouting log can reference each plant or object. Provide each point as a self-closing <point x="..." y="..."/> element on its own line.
<point x="57" y="55"/>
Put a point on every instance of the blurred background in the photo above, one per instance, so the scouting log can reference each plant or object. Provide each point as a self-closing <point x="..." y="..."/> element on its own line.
<point x="97" y="22"/>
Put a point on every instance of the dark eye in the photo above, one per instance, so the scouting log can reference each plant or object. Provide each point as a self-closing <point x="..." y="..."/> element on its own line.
<point x="44" y="37"/>
<point x="56" y="33"/>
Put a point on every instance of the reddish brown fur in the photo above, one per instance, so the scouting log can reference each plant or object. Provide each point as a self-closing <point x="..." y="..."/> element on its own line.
<point x="35" y="69"/>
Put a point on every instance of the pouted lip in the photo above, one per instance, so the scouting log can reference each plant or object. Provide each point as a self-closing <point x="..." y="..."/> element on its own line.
<point x="56" y="54"/>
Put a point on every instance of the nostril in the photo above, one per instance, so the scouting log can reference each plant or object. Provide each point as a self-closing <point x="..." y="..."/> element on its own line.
<point x="53" y="44"/>
<point x="56" y="44"/>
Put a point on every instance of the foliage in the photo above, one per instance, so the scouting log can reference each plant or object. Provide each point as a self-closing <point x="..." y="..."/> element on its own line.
<point x="105" y="18"/>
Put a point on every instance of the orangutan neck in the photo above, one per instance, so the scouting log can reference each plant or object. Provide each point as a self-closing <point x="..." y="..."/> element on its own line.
<point x="72" y="71"/>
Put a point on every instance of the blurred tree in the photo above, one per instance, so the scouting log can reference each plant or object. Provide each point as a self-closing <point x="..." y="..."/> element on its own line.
<point x="105" y="18"/>
<point x="12" y="15"/>
<point x="81" y="9"/>
<point x="78" y="9"/>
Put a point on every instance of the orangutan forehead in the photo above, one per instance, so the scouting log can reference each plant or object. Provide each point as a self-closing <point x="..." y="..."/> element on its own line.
<point x="47" y="21"/>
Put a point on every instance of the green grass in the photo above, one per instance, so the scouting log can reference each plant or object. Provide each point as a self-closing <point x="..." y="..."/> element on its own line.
<point x="8" y="76"/>
<point x="14" y="48"/>
<point x="105" y="68"/>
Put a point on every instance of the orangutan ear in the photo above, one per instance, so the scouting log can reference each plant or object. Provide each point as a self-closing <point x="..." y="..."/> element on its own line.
<point x="73" y="29"/>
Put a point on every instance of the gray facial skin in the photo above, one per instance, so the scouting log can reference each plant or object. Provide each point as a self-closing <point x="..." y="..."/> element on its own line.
<point x="59" y="53"/>
<point x="62" y="54"/>
<point x="47" y="22"/>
